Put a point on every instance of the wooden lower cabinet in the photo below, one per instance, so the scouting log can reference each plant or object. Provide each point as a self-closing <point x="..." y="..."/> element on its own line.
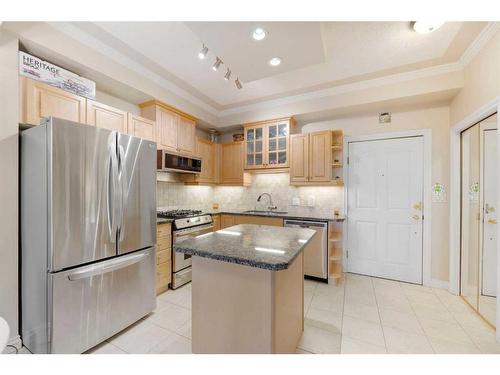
<point x="216" y="222"/>
<point x="38" y="100"/>
<point x="228" y="220"/>
<point x="163" y="257"/>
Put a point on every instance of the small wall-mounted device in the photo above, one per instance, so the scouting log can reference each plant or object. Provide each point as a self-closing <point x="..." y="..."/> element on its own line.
<point x="384" y="118"/>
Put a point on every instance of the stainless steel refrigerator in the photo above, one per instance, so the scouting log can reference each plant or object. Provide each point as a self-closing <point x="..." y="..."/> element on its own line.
<point x="88" y="234"/>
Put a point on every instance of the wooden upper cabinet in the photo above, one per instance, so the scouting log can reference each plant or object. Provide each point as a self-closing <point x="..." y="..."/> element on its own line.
<point x="320" y="152"/>
<point x="175" y="130"/>
<point x="106" y="117"/>
<point x="166" y="130"/>
<point x="299" y="157"/>
<point x="267" y="144"/>
<point x="186" y="136"/>
<point x="232" y="164"/>
<point x="141" y="127"/>
<point x="311" y="157"/>
<point x="207" y="152"/>
<point x="40" y="100"/>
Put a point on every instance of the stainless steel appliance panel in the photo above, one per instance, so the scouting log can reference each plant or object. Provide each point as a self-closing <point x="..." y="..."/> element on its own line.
<point x="316" y="254"/>
<point x="137" y="177"/>
<point x="180" y="260"/>
<point x="82" y="186"/>
<point x="91" y="303"/>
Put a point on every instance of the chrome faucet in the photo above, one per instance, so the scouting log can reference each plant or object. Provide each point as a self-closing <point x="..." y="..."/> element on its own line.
<point x="271" y="205"/>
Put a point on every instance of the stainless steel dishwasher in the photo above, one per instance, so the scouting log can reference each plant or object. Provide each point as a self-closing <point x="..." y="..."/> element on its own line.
<point x="316" y="254"/>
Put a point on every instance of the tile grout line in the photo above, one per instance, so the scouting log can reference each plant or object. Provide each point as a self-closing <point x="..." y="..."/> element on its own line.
<point x="460" y="325"/>
<point x="418" y="319"/>
<point x="379" y="316"/>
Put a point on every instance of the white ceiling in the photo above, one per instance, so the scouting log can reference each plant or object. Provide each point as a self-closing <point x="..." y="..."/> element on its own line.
<point x="315" y="54"/>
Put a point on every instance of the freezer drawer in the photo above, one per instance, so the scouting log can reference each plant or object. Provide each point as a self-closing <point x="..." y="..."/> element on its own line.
<point x="90" y="304"/>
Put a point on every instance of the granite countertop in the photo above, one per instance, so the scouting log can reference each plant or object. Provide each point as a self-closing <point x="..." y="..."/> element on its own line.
<point x="295" y="214"/>
<point x="260" y="246"/>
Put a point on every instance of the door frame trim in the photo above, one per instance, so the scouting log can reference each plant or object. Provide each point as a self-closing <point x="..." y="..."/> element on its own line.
<point x="426" y="134"/>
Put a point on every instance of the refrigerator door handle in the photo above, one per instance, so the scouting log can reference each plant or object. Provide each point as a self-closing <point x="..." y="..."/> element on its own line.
<point x="112" y="190"/>
<point x="122" y="180"/>
<point x="107" y="266"/>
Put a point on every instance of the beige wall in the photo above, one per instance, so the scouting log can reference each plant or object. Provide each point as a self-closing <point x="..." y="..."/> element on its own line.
<point x="436" y="119"/>
<point x="481" y="82"/>
<point x="9" y="177"/>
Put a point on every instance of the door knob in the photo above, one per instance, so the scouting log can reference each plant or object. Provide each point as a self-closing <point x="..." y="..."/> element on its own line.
<point x="492" y="221"/>
<point x="416" y="217"/>
<point x="418" y="206"/>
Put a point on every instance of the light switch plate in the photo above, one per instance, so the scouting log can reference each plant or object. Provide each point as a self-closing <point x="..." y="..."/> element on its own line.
<point x="295" y="201"/>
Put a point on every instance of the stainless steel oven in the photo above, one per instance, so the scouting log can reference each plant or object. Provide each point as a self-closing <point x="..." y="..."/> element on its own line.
<point x="181" y="263"/>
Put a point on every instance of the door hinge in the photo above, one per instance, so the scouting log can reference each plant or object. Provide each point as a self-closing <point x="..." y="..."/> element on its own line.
<point x="347" y="254"/>
<point x="422" y="217"/>
<point x="348" y="160"/>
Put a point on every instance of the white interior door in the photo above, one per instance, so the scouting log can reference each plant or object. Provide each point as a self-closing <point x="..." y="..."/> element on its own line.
<point x="489" y="241"/>
<point x="385" y="193"/>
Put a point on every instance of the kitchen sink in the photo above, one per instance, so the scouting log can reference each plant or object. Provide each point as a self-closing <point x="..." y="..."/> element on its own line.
<point x="265" y="212"/>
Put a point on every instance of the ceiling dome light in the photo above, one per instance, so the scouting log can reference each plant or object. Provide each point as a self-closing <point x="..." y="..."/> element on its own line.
<point x="217" y="63"/>
<point x="275" y="61"/>
<point x="259" y="33"/>
<point x="238" y="84"/>
<point x="203" y="52"/>
<point x="425" y="27"/>
<point x="227" y="75"/>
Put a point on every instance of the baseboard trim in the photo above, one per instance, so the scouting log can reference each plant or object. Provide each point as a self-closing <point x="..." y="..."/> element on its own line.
<point x="436" y="283"/>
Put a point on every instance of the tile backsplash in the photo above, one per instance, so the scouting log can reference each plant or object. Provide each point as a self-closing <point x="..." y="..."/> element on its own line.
<point x="177" y="195"/>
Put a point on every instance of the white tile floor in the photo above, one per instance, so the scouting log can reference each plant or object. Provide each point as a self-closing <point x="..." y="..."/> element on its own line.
<point x="361" y="315"/>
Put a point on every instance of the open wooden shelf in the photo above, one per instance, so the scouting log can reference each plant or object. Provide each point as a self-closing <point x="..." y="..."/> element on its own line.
<point x="335" y="237"/>
<point x="336" y="147"/>
<point x="335" y="254"/>
<point x="337" y="165"/>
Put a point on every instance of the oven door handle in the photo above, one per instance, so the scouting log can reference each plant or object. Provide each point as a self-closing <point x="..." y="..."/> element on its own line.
<point x="199" y="230"/>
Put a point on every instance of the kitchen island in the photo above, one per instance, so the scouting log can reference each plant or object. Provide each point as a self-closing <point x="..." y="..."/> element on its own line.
<point x="247" y="288"/>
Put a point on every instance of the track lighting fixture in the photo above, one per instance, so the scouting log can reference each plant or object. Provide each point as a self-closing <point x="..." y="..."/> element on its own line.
<point x="238" y="84"/>
<point x="227" y="75"/>
<point x="203" y="52"/>
<point x="217" y="63"/>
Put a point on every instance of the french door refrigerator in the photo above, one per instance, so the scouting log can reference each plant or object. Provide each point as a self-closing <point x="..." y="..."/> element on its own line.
<point x="88" y="234"/>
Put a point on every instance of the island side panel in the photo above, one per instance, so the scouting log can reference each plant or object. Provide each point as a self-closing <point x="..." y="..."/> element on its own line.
<point x="288" y="307"/>
<point x="231" y="308"/>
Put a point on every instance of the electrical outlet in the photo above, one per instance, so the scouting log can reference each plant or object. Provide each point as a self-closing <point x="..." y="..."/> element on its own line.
<point x="311" y="201"/>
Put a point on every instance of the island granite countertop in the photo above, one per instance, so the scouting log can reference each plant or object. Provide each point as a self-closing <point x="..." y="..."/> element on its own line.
<point x="260" y="246"/>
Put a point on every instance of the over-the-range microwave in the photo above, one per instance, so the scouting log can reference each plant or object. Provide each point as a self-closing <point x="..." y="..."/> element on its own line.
<point x="167" y="162"/>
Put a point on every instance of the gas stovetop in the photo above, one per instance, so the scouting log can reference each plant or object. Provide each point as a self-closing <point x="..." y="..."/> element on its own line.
<point x="184" y="219"/>
<point x="178" y="214"/>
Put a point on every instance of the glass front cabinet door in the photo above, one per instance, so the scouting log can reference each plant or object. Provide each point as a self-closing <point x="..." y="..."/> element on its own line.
<point x="267" y="144"/>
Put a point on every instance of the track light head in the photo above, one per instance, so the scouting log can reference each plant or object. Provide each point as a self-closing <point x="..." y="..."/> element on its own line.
<point x="227" y="76"/>
<point x="216" y="65"/>
<point x="203" y="52"/>
<point x="238" y="84"/>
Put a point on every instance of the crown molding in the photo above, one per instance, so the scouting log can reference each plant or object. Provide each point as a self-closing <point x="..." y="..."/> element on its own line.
<point x="489" y="31"/>
<point x="347" y="88"/>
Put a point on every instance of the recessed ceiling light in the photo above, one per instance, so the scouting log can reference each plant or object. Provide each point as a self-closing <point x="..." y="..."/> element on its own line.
<point x="425" y="27"/>
<point x="216" y="65"/>
<point x="275" y="61"/>
<point x="227" y="75"/>
<point x="203" y="52"/>
<point x="259" y="33"/>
